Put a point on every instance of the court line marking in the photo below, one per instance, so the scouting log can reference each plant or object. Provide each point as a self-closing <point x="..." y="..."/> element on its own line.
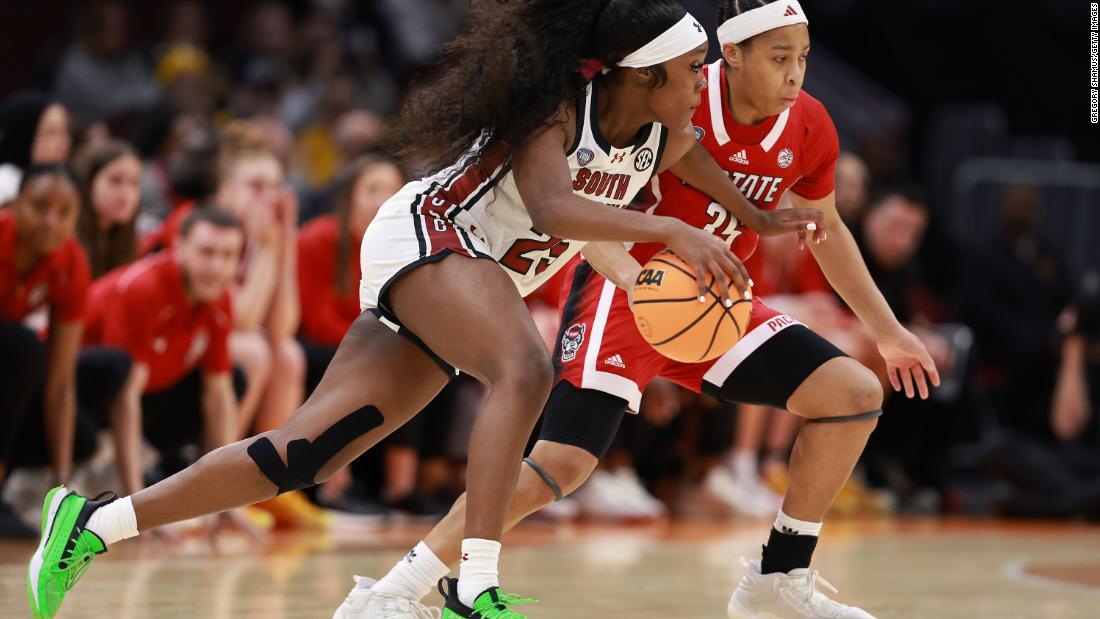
<point x="1015" y="570"/>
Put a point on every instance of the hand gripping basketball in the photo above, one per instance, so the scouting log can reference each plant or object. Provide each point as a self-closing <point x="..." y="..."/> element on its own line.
<point x="671" y="318"/>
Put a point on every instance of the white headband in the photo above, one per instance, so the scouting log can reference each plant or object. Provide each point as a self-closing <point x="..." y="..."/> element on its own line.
<point x="678" y="40"/>
<point x="761" y="19"/>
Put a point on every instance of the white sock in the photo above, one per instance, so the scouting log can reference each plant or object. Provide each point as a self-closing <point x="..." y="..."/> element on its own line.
<point x="114" y="521"/>
<point x="743" y="463"/>
<point x="794" y="526"/>
<point x="478" y="569"/>
<point x="414" y="575"/>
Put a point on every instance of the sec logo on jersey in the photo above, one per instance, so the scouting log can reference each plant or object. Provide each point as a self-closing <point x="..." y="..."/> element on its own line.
<point x="700" y="133"/>
<point x="584" y="156"/>
<point x="643" y="159"/>
<point x="785" y="158"/>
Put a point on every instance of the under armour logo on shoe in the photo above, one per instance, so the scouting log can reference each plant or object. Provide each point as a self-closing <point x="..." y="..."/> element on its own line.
<point x="465" y="556"/>
<point x="412" y="555"/>
<point x="697" y="26"/>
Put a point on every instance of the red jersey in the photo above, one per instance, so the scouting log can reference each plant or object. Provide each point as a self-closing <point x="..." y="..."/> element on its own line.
<point x="777" y="267"/>
<point x="143" y="308"/>
<point x="795" y="150"/>
<point x="326" y="312"/>
<point x="59" y="281"/>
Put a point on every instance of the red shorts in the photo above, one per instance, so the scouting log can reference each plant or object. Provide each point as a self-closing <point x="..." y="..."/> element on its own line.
<point x="601" y="349"/>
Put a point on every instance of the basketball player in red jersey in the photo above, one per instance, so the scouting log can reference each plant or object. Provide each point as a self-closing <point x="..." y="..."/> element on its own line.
<point x="770" y="137"/>
<point x="532" y="156"/>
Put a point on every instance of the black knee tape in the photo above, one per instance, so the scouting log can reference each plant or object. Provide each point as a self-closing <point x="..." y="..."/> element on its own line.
<point x="304" y="458"/>
<point x="844" y="418"/>
<point x="554" y="487"/>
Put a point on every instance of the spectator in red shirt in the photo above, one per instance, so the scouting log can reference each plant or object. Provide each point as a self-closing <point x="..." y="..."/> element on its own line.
<point x="266" y="312"/>
<point x="43" y="273"/>
<point x="110" y="187"/>
<point x="171" y="313"/>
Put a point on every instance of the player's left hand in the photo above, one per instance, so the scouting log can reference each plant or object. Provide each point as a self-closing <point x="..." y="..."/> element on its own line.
<point x="907" y="363"/>
<point x="783" y="220"/>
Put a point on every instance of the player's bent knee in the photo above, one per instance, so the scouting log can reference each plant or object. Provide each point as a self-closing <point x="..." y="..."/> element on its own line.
<point x="864" y="390"/>
<point x="569" y="466"/>
<point x="305" y="458"/>
<point x="531" y="373"/>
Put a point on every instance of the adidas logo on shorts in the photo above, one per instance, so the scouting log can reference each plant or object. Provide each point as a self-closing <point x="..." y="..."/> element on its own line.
<point x="615" y="360"/>
<point x="740" y="157"/>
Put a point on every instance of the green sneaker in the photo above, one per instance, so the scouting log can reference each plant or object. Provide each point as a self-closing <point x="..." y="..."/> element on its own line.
<point x="65" y="551"/>
<point x="491" y="604"/>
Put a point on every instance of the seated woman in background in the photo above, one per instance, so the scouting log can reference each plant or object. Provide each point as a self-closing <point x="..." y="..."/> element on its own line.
<point x="110" y="186"/>
<point x="43" y="274"/>
<point x="33" y="129"/>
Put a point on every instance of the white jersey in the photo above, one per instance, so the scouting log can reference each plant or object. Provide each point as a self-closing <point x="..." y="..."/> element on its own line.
<point x="476" y="209"/>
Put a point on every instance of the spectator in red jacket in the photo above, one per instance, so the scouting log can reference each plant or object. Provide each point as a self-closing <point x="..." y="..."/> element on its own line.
<point x="171" y="313"/>
<point x="43" y="275"/>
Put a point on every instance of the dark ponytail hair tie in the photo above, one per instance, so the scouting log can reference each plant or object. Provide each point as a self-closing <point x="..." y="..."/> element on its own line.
<point x="591" y="68"/>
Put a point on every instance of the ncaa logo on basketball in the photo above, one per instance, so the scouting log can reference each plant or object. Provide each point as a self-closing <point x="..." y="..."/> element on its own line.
<point x="700" y="133"/>
<point x="643" y="159"/>
<point x="786" y="157"/>
<point x="571" y="342"/>
<point x="584" y="156"/>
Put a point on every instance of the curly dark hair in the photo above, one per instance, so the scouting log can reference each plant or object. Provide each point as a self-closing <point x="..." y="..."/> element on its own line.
<point x="517" y="62"/>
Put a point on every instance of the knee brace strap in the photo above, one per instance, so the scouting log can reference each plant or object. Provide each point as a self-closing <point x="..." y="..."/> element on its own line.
<point x="304" y="458"/>
<point x="844" y="418"/>
<point x="554" y="487"/>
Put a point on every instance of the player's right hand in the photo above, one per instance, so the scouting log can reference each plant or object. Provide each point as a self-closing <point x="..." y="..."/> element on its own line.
<point x="709" y="257"/>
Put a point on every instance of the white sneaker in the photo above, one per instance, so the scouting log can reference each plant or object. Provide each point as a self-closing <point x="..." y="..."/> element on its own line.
<point x="603" y="496"/>
<point x="748" y="497"/>
<point x="363" y="602"/>
<point x="786" y="596"/>
<point x="632" y="488"/>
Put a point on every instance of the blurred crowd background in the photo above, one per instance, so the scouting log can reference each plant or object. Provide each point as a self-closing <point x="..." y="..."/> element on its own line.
<point x="969" y="176"/>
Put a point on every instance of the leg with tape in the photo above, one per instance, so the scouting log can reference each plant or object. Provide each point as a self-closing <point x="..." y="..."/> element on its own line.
<point x="365" y="394"/>
<point x="304" y="458"/>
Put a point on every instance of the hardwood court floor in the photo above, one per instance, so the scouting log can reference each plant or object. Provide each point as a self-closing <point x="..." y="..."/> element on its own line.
<point x="918" y="569"/>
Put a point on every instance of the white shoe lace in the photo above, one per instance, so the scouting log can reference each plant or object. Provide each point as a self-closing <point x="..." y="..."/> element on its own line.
<point x="802" y="591"/>
<point x="391" y="603"/>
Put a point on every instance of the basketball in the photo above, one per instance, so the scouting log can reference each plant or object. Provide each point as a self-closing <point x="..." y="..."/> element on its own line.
<point x="671" y="318"/>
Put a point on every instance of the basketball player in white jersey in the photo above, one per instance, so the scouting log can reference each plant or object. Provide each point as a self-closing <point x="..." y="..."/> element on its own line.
<point x="771" y="139"/>
<point x="535" y="158"/>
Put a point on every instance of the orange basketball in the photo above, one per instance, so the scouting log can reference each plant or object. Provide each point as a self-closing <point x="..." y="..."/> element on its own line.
<point x="671" y="318"/>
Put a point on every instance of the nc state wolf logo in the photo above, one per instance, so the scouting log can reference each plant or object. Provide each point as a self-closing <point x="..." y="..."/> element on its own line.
<point x="571" y="342"/>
